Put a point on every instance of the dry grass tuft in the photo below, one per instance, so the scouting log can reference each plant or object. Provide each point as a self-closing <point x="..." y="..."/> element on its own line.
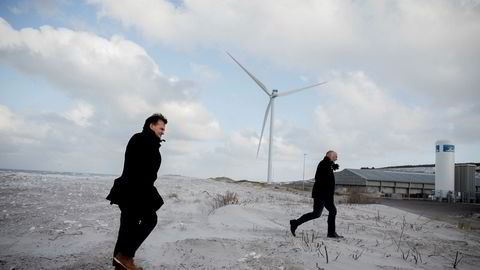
<point x="173" y="196"/>
<point x="221" y="200"/>
<point x="356" y="196"/>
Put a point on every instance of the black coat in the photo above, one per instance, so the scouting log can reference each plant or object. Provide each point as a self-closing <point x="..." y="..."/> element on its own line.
<point x="134" y="188"/>
<point x="324" y="186"/>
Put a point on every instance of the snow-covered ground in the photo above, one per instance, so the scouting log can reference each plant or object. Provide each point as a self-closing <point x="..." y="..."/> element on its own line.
<point x="51" y="221"/>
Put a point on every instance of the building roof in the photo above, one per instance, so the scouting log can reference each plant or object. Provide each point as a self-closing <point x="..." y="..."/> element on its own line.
<point x="389" y="176"/>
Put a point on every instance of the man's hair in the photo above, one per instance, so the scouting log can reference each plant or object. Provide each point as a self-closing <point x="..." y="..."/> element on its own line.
<point x="329" y="152"/>
<point x="154" y="119"/>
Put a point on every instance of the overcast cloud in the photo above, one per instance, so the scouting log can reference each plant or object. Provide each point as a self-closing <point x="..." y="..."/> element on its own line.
<point x="401" y="74"/>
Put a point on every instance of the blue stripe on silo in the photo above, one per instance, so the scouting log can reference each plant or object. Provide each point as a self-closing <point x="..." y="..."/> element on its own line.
<point x="448" y="148"/>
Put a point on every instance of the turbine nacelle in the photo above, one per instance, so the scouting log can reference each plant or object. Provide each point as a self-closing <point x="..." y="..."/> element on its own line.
<point x="274" y="93"/>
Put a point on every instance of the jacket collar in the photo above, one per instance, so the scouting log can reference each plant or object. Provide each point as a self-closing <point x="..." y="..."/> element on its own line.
<point x="150" y="135"/>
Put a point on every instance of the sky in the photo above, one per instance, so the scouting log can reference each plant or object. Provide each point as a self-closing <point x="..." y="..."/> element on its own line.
<point x="79" y="78"/>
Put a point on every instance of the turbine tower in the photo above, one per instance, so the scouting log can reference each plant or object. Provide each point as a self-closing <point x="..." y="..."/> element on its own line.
<point x="270" y="111"/>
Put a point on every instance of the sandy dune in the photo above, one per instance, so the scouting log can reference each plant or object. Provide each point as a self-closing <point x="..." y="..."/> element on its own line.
<point x="59" y="221"/>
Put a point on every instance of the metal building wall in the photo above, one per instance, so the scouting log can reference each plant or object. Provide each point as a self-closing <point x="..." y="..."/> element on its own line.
<point x="465" y="182"/>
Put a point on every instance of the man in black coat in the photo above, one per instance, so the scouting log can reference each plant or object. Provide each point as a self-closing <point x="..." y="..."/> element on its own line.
<point x="135" y="193"/>
<point x="322" y="194"/>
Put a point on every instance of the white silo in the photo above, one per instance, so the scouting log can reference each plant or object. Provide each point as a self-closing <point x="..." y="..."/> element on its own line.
<point x="444" y="168"/>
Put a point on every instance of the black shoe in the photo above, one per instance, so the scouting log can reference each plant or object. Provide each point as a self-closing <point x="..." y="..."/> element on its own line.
<point x="334" y="235"/>
<point x="293" y="226"/>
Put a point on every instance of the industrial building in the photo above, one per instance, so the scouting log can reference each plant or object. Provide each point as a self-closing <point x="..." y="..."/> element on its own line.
<point x="389" y="183"/>
<point x="408" y="184"/>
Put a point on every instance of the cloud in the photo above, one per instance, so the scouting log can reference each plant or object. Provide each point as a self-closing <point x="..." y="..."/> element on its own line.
<point x="381" y="38"/>
<point x="114" y="84"/>
<point x="192" y="120"/>
<point x="359" y="109"/>
<point x="99" y="71"/>
<point x="364" y="121"/>
<point x="237" y="154"/>
<point x="16" y="131"/>
<point x="45" y="8"/>
<point x="81" y="114"/>
<point x="6" y="118"/>
<point x="240" y="144"/>
<point x="49" y="141"/>
<point x="97" y="68"/>
<point x="204" y="72"/>
<point x="405" y="75"/>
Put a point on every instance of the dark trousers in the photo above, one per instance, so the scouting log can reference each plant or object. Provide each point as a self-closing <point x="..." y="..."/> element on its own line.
<point x="318" y="204"/>
<point x="135" y="226"/>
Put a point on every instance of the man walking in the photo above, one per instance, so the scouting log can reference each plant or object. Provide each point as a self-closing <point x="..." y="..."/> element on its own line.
<point x="322" y="194"/>
<point x="135" y="193"/>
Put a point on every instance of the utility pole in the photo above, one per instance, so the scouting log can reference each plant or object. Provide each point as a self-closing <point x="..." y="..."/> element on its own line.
<point x="303" y="182"/>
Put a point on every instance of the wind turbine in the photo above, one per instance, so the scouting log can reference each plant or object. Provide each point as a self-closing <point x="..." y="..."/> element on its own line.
<point x="274" y="94"/>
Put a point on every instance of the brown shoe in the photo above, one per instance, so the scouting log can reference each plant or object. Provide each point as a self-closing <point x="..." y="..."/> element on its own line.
<point x="122" y="262"/>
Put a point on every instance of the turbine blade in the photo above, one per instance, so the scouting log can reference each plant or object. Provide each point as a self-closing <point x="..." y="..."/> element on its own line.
<point x="251" y="75"/>
<point x="263" y="126"/>
<point x="298" y="90"/>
